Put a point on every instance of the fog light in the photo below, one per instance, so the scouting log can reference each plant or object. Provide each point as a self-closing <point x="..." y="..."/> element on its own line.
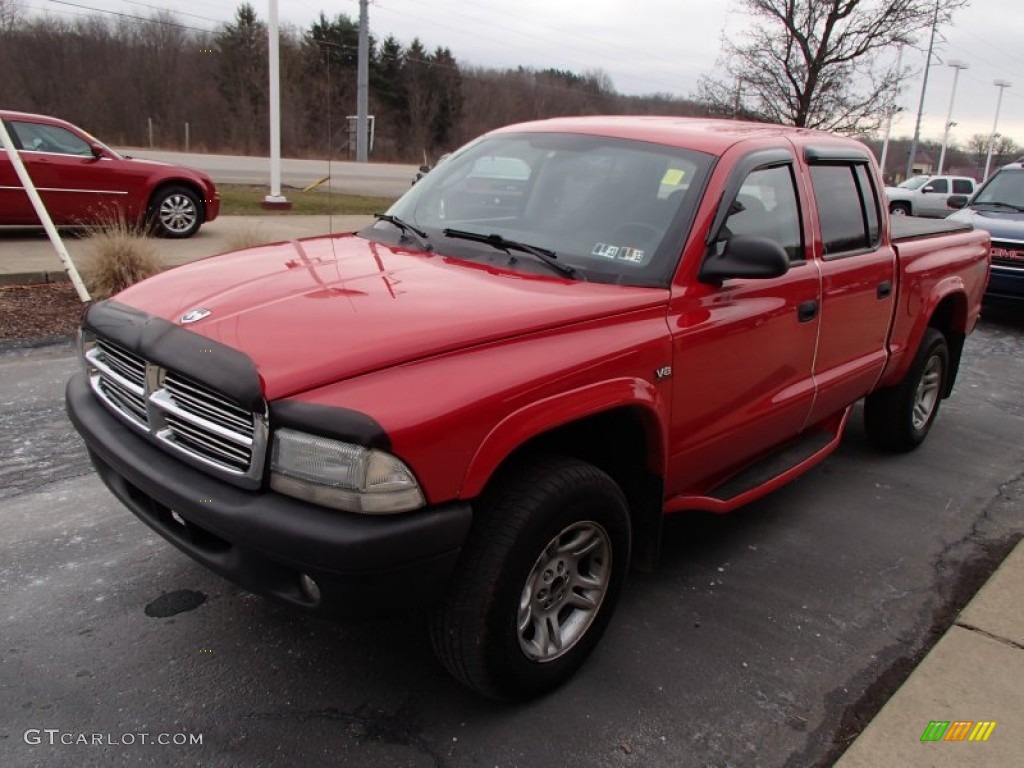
<point x="309" y="587"/>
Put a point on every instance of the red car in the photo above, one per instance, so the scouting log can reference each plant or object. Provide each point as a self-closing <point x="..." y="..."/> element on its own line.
<point x="83" y="181"/>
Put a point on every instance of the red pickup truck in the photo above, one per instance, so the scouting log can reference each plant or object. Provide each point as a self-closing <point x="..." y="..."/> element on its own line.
<point x="485" y="403"/>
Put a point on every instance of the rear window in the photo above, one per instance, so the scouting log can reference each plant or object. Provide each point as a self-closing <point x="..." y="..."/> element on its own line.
<point x="847" y="207"/>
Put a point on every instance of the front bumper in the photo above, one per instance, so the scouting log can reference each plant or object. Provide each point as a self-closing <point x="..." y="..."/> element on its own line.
<point x="264" y="541"/>
<point x="1005" y="283"/>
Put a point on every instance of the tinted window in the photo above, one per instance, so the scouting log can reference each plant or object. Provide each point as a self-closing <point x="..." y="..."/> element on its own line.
<point x="870" y="200"/>
<point x="766" y="206"/>
<point x="939" y="185"/>
<point x="962" y="187"/>
<point x="841" y="211"/>
<point x="37" y="137"/>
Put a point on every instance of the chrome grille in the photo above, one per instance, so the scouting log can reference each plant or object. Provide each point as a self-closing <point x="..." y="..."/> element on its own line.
<point x="1008" y="253"/>
<point x="183" y="415"/>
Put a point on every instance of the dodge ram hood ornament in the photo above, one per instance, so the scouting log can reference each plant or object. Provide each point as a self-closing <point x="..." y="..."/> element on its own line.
<point x="194" y="315"/>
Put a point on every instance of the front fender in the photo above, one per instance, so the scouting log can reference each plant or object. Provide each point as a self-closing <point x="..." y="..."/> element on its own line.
<point x="542" y="416"/>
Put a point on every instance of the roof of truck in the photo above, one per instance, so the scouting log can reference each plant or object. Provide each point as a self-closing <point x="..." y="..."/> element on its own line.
<point x="704" y="134"/>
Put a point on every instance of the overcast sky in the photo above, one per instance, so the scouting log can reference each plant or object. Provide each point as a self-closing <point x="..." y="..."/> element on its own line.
<point x="648" y="46"/>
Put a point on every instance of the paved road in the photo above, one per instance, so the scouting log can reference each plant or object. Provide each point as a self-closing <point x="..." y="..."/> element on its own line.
<point x="386" y="180"/>
<point x="764" y="634"/>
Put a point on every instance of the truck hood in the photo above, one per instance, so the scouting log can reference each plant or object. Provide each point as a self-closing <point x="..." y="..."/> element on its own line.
<point x="318" y="310"/>
<point x="1000" y="224"/>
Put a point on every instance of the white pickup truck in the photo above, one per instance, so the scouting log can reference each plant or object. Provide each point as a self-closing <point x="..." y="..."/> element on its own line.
<point x="927" y="195"/>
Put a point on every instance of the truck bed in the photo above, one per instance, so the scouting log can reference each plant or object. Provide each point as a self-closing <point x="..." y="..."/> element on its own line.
<point x="914" y="227"/>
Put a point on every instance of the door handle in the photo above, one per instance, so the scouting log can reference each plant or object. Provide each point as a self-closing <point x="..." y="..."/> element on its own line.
<point x="807" y="310"/>
<point x="884" y="289"/>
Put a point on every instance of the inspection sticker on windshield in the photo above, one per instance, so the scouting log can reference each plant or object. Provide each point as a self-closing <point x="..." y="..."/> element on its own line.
<point x="605" y="250"/>
<point x="635" y="255"/>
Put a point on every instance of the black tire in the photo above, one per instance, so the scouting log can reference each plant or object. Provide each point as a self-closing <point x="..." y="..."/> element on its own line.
<point x="503" y="578"/>
<point x="899" y="209"/>
<point x="899" y="418"/>
<point x="175" y="212"/>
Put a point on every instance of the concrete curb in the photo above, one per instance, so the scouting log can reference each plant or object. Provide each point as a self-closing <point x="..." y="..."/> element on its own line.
<point x="33" y="278"/>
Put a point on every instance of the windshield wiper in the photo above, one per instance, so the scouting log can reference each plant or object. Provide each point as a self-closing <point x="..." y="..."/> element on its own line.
<point x="506" y="245"/>
<point x="998" y="204"/>
<point x="421" y="237"/>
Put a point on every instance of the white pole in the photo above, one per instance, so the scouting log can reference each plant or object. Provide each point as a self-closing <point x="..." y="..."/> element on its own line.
<point x="957" y="66"/>
<point x="43" y="214"/>
<point x="891" y="110"/>
<point x="1000" y="84"/>
<point x="275" y="198"/>
<point x="362" y="83"/>
<point x="924" y="90"/>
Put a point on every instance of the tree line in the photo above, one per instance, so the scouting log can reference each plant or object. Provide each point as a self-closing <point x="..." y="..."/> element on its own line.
<point x="134" y="82"/>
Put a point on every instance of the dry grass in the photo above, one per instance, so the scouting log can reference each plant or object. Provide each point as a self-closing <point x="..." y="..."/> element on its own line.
<point x="248" y="235"/>
<point x="119" y="255"/>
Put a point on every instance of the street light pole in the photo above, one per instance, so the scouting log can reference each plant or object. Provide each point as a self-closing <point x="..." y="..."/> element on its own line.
<point x="957" y="66"/>
<point x="891" y="109"/>
<point x="1001" y="85"/>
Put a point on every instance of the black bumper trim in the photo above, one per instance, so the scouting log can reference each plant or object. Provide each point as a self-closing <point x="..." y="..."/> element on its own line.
<point x="263" y="541"/>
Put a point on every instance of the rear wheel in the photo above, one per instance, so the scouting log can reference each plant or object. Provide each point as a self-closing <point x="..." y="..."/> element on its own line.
<point x="898" y="418"/>
<point x="175" y="212"/>
<point x="538" y="580"/>
<point x="899" y="209"/>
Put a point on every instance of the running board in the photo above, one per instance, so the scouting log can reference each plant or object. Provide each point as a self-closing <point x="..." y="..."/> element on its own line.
<point x="769" y="473"/>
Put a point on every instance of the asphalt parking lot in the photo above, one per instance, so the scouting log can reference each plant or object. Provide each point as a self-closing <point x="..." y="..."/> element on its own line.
<point x="765" y="637"/>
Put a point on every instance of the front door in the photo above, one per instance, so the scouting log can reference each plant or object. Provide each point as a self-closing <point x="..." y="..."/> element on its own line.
<point x="75" y="185"/>
<point x="743" y="351"/>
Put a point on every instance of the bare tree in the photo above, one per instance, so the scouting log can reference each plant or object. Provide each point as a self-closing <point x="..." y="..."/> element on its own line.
<point x="818" y="63"/>
<point x="10" y="12"/>
<point x="1004" y="149"/>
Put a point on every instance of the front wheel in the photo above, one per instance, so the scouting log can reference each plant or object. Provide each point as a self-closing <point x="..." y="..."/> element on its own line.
<point x="898" y="418"/>
<point x="175" y="212"/>
<point x="899" y="209"/>
<point x="538" y="579"/>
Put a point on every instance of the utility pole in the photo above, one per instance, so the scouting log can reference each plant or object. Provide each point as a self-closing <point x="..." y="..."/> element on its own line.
<point x="363" y="84"/>
<point x="1001" y="85"/>
<point x="957" y="66"/>
<point x="275" y="199"/>
<point x="924" y="90"/>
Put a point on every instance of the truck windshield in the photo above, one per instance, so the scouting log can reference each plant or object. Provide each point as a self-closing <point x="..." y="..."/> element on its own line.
<point x="1005" y="189"/>
<point x="611" y="210"/>
<point x="914" y="182"/>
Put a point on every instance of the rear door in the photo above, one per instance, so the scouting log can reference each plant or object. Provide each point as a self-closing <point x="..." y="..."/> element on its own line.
<point x="75" y="185"/>
<point x="743" y="350"/>
<point x="858" y="279"/>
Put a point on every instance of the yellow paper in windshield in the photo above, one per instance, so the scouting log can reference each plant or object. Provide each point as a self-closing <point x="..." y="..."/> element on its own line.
<point x="673" y="177"/>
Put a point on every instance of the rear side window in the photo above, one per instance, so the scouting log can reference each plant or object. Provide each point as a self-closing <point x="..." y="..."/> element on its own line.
<point x="962" y="187"/>
<point x="847" y="207"/>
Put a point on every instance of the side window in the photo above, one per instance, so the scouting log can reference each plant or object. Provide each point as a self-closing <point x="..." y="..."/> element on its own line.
<point x="939" y="186"/>
<point x="847" y="207"/>
<point x="766" y="206"/>
<point x="962" y="187"/>
<point x="36" y="137"/>
<point x="870" y="201"/>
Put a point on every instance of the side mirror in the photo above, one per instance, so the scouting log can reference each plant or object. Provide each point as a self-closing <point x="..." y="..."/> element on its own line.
<point x="98" y="151"/>
<point x="424" y="169"/>
<point x="928" y="188"/>
<point x="956" y="201"/>
<point x="746" y="256"/>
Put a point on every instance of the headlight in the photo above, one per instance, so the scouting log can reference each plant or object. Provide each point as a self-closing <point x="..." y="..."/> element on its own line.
<point x="341" y="475"/>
